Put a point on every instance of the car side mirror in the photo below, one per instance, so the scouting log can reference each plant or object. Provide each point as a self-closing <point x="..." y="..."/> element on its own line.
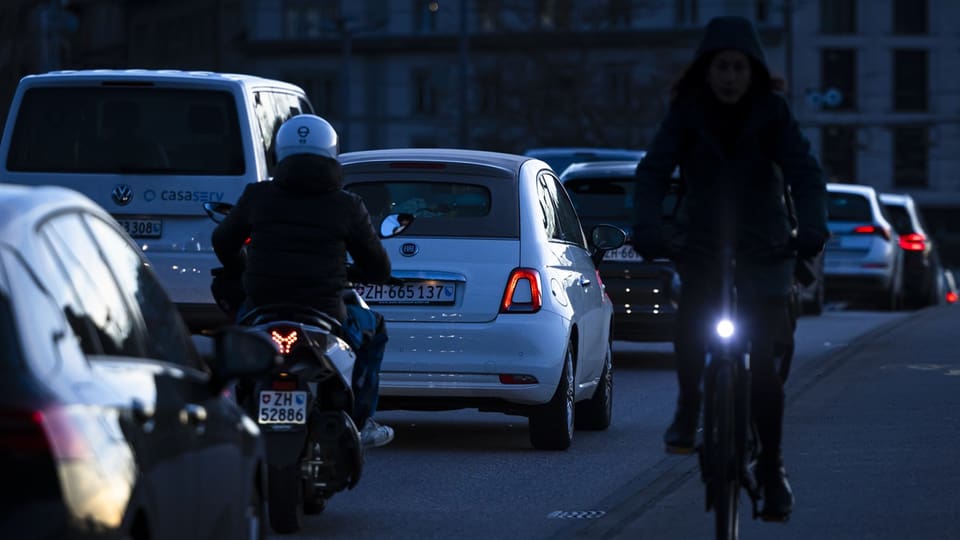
<point x="217" y="211"/>
<point x="604" y="238"/>
<point x="394" y="224"/>
<point x="240" y="352"/>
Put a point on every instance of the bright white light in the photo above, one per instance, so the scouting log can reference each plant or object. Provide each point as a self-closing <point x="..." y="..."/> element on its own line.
<point x="725" y="328"/>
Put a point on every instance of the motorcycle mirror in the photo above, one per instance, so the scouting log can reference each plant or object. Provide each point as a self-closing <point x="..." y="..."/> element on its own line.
<point x="217" y="210"/>
<point x="394" y="224"/>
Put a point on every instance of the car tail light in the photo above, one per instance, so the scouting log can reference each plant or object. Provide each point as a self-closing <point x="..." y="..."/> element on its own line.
<point x="873" y="229"/>
<point x="523" y="293"/>
<point x="913" y="242"/>
<point x="951" y="297"/>
<point x="284" y="337"/>
<point x="56" y="431"/>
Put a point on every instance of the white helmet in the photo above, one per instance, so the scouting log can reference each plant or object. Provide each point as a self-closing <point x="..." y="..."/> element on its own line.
<point x="306" y="134"/>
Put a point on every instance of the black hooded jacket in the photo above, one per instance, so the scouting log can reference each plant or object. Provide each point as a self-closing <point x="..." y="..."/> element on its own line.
<point x="301" y="226"/>
<point x="735" y="161"/>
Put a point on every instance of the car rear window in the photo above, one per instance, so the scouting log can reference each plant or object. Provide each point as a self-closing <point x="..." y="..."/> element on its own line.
<point x="848" y="207"/>
<point x="608" y="198"/>
<point x="900" y="218"/>
<point x="127" y="130"/>
<point x="442" y="208"/>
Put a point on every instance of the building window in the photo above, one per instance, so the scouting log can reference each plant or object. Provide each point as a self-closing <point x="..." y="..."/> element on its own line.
<point x="425" y="16"/>
<point x="489" y="93"/>
<point x="762" y="10"/>
<point x="838" y="153"/>
<point x="838" y="16"/>
<point x="489" y="15"/>
<point x="910" y="156"/>
<point x="686" y="11"/>
<point x="910" y="80"/>
<point x="554" y="14"/>
<point x="619" y="87"/>
<point x="619" y="13"/>
<point x="838" y="72"/>
<point x="910" y="16"/>
<point x="304" y="19"/>
<point x="424" y="93"/>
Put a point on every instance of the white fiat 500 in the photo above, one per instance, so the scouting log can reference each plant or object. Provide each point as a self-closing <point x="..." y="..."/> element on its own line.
<point x="500" y="307"/>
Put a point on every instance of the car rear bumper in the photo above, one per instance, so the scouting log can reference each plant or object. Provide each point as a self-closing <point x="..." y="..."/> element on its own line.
<point x="465" y="360"/>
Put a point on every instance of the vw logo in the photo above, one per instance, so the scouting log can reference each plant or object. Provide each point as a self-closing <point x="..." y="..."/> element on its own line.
<point x="409" y="249"/>
<point x="122" y="194"/>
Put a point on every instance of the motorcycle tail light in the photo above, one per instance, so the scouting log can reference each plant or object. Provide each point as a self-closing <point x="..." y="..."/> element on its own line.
<point x="284" y="337"/>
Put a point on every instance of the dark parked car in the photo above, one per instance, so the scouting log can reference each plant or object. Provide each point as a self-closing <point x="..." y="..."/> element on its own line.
<point x="644" y="293"/>
<point x="921" y="260"/>
<point x="111" y="425"/>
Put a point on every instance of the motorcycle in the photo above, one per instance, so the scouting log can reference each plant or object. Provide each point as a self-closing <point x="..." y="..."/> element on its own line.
<point x="305" y="406"/>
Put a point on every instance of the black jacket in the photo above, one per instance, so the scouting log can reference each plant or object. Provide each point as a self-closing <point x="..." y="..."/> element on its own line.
<point x="733" y="186"/>
<point x="301" y="226"/>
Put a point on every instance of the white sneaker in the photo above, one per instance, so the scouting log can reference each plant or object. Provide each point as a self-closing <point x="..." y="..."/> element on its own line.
<point x="374" y="435"/>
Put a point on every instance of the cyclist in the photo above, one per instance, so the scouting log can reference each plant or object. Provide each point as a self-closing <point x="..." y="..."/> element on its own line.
<point x="301" y="227"/>
<point x="738" y="147"/>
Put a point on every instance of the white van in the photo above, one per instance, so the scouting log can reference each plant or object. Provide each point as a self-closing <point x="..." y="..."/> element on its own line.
<point x="151" y="147"/>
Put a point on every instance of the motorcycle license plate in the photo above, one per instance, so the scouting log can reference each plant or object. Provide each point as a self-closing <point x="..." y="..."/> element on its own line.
<point x="279" y="407"/>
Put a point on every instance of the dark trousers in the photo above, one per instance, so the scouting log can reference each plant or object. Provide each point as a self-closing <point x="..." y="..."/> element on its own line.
<point x="761" y="319"/>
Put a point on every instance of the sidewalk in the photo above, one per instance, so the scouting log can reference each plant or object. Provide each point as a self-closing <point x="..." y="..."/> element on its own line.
<point x="872" y="440"/>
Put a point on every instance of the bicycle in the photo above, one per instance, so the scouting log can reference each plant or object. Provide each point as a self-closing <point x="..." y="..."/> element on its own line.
<point x="729" y="449"/>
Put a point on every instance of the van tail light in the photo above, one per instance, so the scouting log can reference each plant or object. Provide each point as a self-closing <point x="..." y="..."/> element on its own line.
<point x="913" y="242"/>
<point x="523" y="293"/>
<point x="873" y="229"/>
<point x="951" y="297"/>
<point x="56" y="431"/>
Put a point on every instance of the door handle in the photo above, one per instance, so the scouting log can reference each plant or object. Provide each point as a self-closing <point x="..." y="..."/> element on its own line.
<point x="583" y="282"/>
<point x="143" y="414"/>
<point x="193" y="414"/>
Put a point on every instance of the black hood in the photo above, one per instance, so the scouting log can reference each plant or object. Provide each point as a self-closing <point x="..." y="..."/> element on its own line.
<point x="735" y="33"/>
<point x="309" y="173"/>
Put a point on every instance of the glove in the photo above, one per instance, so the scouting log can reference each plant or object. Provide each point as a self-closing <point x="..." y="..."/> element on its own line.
<point x="809" y="244"/>
<point x="649" y="242"/>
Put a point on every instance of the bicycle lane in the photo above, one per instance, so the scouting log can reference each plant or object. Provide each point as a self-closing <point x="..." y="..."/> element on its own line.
<point x="870" y="439"/>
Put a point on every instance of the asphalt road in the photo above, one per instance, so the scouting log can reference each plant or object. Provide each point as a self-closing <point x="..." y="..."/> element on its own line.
<point x="465" y="474"/>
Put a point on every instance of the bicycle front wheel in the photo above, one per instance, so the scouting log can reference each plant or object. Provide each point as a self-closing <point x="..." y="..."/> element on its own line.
<point x="721" y="447"/>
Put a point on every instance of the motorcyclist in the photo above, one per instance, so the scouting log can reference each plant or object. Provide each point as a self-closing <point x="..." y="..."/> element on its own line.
<point x="737" y="144"/>
<point x="300" y="227"/>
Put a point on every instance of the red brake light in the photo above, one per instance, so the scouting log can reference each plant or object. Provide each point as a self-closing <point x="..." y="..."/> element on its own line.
<point x="951" y="297"/>
<point x="871" y="229"/>
<point x="523" y="292"/>
<point x="284" y="337"/>
<point x="57" y="431"/>
<point x="913" y="242"/>
<point x="247" y="241"/>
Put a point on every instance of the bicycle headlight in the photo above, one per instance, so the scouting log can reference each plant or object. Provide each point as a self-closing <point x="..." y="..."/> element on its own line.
<point x="725" y="328"/>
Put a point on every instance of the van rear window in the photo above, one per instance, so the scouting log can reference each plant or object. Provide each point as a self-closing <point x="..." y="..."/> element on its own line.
<point x="849" y="207"/>
<point x="141" y="130"/>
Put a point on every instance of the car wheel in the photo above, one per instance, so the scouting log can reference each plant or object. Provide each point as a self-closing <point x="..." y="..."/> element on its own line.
<point x="595" y="413"/>
<point x="551" y="425"/>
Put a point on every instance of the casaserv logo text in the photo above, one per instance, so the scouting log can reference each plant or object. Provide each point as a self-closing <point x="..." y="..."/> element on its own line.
<point x="199" y="196"/>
